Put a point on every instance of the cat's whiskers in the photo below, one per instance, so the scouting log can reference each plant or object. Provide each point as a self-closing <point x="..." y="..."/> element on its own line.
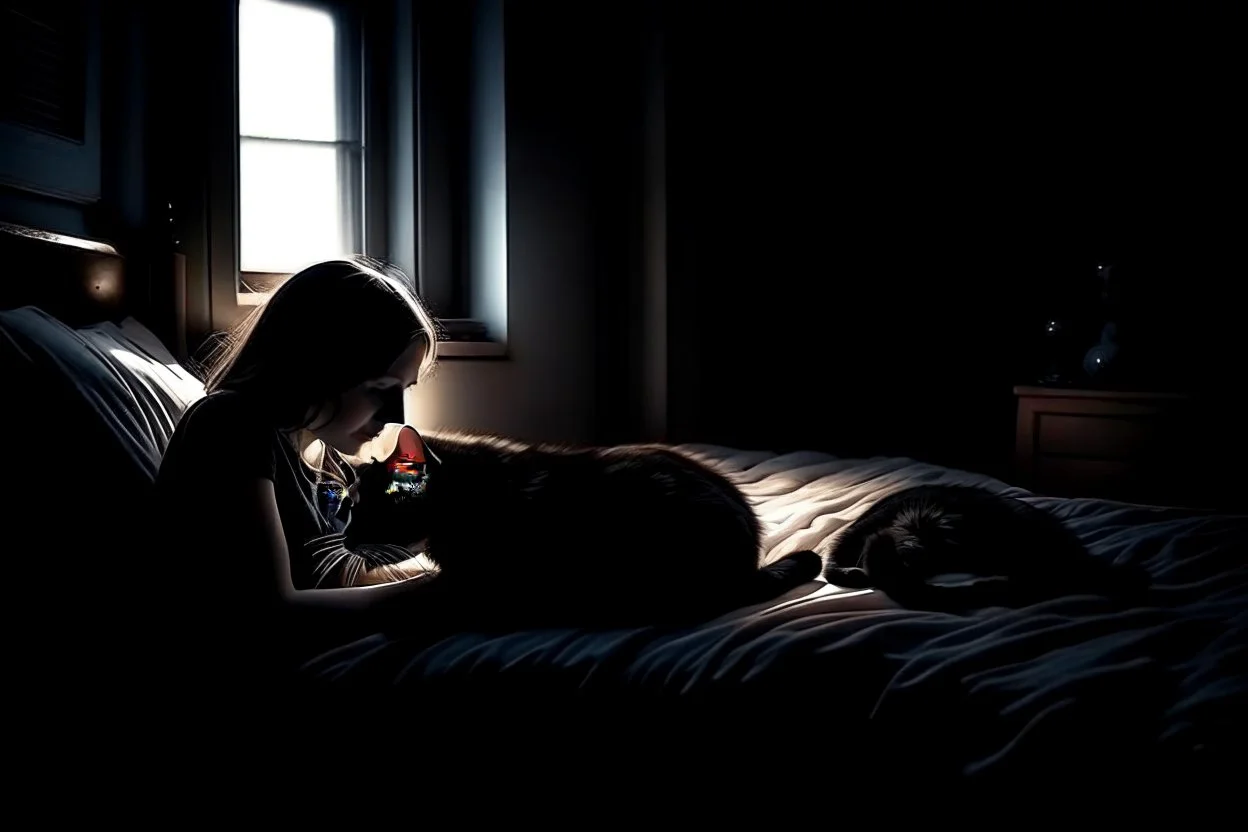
<point x="326" y="559"/>
<point x="327" y="546"/>
<point x="327" y="566"/>
<point x="353" y="564"/>
<point x="351" y="570"/>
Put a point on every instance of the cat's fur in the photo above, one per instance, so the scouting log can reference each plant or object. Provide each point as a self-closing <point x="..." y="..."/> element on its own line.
<point x="1019" y="554"/>
<point x="550" y="535"/>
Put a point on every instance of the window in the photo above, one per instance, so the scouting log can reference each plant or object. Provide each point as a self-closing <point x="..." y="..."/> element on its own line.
<point x="300" y="124"/>
<point x="462" y="150"/>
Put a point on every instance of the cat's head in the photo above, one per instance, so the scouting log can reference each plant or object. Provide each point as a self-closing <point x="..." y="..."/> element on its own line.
<point x="389" y="498"/>
<point x="927" y="536"/>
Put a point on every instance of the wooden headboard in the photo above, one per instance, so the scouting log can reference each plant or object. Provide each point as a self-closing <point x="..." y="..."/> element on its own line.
<point x="75" y="280"/>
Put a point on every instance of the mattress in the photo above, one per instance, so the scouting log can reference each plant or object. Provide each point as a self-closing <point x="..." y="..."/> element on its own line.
<point x="985" y="695"/>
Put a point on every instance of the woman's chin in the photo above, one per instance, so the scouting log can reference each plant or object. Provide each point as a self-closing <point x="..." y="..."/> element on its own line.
<point x="364" y="448"/>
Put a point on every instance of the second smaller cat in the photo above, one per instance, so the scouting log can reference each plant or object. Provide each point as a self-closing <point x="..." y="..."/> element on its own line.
<point x="1018" y="554"/>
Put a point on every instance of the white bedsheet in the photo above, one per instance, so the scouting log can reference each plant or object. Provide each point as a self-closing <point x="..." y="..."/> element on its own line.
<point x="994" y="694"/>
<point x="805" y="498"/>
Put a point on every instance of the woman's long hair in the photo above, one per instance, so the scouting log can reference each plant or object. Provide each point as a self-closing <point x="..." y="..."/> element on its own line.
<point x="325" y="330"/>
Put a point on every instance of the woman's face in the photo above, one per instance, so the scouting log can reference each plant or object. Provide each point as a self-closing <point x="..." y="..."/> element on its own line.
<point x="357" y="418"/>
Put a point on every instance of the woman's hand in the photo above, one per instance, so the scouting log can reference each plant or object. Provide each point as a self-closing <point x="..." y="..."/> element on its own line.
<point x="416" y="568"/>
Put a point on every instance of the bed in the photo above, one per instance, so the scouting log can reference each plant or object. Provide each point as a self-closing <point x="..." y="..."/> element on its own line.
<point x="990" y="697"/>
<point x="1069" y="691"/>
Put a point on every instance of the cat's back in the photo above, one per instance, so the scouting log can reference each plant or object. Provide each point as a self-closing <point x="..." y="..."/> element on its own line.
<point x="651" y="486"/>
<point x="987" y="520"/>
<point x="666" y="466"/>
<point x="973" y="512"/>
<point x="639" y="492"/>
<point x="572" y="469"/>
<point x="679" y="481"/>
<point x="994" y="508"/>
<point x="925" y="498"/>
<point x="965" y="500"/>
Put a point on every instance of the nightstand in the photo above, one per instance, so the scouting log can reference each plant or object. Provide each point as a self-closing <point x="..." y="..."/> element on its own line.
<point x="1155" y="448"/>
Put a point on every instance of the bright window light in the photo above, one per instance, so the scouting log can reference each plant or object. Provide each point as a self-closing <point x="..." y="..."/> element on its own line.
<point x="299" y="149"/>
<point x="291" y="205"/>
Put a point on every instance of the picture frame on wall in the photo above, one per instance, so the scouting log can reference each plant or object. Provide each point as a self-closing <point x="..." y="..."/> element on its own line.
<point x="50" y="58"/>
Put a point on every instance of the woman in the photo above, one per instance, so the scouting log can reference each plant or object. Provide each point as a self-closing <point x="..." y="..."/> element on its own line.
<point x="246" y="488"/>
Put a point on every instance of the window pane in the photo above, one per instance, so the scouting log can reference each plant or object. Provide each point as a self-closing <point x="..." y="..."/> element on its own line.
<point x="286" y="71"/>
<point x="290" y="204"/>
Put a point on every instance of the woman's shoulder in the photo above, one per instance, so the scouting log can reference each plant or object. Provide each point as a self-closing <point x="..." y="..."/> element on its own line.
<point x="224" y="417"/>
<point x="222" y="427"/>
<point x="223" y="406"/>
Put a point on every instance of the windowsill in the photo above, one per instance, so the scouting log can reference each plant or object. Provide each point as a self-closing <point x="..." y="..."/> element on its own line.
<point x="457" y="348"/>
<point x="471" y="349"/>
<point x="468" y="338"/>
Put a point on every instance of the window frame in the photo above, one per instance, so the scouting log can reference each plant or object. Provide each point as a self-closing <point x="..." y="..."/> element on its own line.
<point x="452" y="182"/>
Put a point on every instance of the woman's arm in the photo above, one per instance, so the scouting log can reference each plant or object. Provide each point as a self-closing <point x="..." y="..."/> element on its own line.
<point x="220" y="447"/>
<point x="256" y="518"/>
<point x="385" y="573"/>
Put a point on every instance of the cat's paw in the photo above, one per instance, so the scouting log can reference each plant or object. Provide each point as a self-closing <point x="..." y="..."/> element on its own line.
<point x="847" y="577"/>
<point x="803" y="565"/>
<point x="791" y="570"/>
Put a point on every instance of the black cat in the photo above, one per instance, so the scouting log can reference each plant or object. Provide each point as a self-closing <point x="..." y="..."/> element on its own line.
<point x="1018" y="554"/>
<point x="544" y="535"/>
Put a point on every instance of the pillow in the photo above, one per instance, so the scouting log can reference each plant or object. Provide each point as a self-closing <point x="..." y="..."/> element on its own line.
<point x="161" y="387"/>
<point x="110" y="386"/>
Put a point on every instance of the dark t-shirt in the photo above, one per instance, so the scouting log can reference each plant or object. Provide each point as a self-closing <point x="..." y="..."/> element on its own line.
<point x="222" y="429"/>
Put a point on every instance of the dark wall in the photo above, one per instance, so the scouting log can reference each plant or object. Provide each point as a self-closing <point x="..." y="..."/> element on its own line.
<point x="870" y="218"/>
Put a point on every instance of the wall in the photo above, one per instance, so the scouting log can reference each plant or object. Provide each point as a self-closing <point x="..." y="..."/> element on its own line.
<point x="869" y="219"/>
<point x="573" y="218"/>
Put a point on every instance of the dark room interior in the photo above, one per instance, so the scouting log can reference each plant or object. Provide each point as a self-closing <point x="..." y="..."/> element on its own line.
<point x="835" y="250"/>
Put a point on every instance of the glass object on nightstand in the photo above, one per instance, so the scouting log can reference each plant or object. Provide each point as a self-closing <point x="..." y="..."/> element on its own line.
<point x="1056" y="356"/>
<point x="1099" y="361"/>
